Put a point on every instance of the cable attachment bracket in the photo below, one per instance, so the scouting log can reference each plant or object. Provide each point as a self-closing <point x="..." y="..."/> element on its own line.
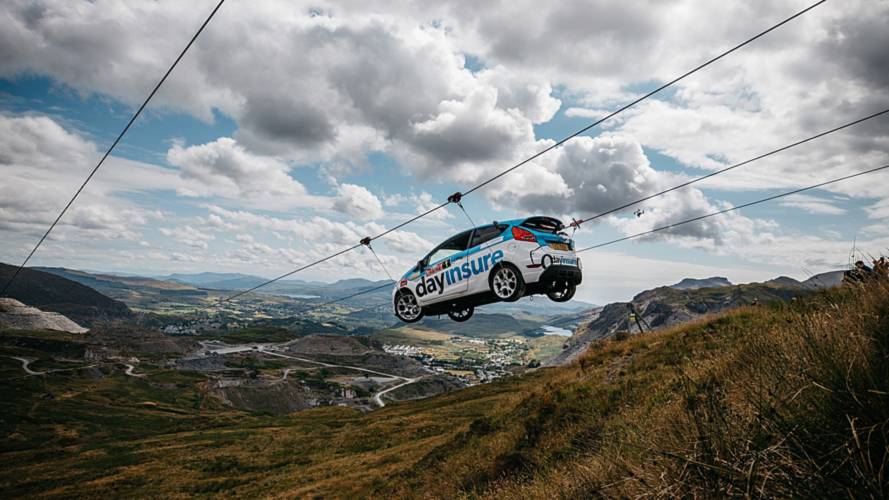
<point x="365" y="241"/>
<point x="455" y="198"/>
<point x="574" y="224"/>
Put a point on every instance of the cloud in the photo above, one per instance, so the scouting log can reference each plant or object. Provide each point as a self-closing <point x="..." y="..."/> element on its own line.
<point x="407" y="242"/>
<point x="224" y="168"/>
<point x="589" y="176"/>
<point x="532" y="98"/>
<point x="328" y="87"/>
<point x="42" y="164"/>
<point x="358" y="202"/>
<point x="188" y="235"/>
<point x="812" y="204"/>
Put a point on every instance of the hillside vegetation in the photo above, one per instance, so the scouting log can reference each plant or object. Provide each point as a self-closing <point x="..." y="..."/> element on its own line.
<point x="50" y="292"/>
<point x="786" y="400"/>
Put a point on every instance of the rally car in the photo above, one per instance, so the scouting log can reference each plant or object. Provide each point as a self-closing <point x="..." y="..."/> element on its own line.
<point x="503" y="261"/>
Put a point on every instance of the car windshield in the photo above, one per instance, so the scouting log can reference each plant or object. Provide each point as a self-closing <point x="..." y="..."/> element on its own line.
<point x="450" y="247"/>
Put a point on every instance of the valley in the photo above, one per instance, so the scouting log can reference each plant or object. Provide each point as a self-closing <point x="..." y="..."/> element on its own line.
<point x="283" y="396"/>
<point x="151" y="412"/>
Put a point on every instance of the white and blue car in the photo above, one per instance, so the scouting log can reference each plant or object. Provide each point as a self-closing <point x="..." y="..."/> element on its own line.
<point x="503" y="261"/>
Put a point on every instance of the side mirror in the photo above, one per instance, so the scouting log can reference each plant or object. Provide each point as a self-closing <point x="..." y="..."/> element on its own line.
<point x="421" y="264"/>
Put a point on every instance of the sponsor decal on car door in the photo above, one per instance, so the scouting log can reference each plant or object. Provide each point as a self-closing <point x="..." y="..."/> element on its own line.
<point x="452" y="276"/>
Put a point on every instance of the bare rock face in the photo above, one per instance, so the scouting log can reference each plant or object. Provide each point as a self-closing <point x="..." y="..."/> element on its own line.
<point x="18" y="316"/>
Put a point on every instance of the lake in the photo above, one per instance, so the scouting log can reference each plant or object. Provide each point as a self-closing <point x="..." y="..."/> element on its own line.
<point x="555" y="330"/>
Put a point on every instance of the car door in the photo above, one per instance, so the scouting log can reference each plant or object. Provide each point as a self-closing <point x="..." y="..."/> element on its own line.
<point x="441" y="278"/>
<point x="482" y="245"/>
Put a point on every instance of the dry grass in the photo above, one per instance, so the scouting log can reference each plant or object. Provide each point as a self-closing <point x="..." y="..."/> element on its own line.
<point x="793" y="404"/>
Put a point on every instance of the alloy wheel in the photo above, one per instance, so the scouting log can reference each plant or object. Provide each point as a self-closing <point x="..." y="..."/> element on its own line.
<point x="407" y="308"/>
<point x="505" y="283"/>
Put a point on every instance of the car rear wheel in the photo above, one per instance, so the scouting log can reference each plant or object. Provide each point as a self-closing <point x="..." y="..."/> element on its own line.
<point x="406" y="307"/>
<point x="461" y="315"/>
<point x="507" y="283"/>
<point x="561" y="291"/>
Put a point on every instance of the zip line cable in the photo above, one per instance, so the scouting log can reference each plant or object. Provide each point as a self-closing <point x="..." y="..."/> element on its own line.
<point x="732" y="209"/>
<point x="113" y="145"/>
<point x="367" y="243"/>
<point x="550" y="148"/>
<point x="732" y="167"/>
<point x="315" y="263"/>
<point x="363" y="292"/>
<point x="340" y="299"/>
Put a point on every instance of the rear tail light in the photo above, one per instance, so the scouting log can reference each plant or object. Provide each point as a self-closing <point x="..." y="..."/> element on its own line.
<point x="523" y="234"/>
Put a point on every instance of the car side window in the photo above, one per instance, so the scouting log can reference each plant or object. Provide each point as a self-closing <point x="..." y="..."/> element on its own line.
<point x="485" y="234"/>
<point x="450" y="247"/>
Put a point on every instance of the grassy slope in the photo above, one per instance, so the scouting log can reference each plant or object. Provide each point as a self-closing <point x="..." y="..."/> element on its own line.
<point x="777" y="401"/>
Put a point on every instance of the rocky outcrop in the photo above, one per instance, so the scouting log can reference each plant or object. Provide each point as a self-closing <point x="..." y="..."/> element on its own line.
<point x="17" y="316"/>
<point x="673" y="305"/>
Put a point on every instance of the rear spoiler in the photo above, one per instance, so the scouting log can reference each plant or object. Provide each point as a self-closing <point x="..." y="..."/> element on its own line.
<point x="544" y="224"/>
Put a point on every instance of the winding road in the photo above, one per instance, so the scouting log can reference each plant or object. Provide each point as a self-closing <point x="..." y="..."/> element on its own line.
<point x="25" y="362"/>
<point x="26" y="366"/>
<point x="130" y="369"/>
<point x="377" y="398"/>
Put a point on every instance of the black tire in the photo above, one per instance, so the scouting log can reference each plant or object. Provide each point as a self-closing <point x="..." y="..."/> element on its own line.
<point x="461" y="315"/>
<point x="407" y="308"/>
<point x="506" y="283"/>
<point x="561" y="291"/>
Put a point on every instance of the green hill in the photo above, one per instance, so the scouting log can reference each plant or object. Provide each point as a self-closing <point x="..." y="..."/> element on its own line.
<point x="785" y="400"/>
<point x="50" y="292"/>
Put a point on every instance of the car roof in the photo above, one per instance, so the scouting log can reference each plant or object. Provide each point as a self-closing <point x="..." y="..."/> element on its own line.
<point x="519" y="222"/>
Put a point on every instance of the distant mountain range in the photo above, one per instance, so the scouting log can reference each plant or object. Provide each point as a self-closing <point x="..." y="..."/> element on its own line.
<point x="215" y="281"/>
<point x="828" y="279"/>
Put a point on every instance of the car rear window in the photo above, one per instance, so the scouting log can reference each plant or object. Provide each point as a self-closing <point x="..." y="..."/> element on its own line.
<point x="543" y="224"/>
<point x="485" y="234"/>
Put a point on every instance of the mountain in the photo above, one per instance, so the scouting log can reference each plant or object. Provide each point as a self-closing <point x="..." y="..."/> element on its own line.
<point x="784" y="281"/>
<point x="825" y="280"/>
<point x="17" y="316"/>
<point x="135" y="291"/>
<point x="694" y="284"/>
<point x="672" y="305"/>
<point x="102" y="281"/>
<point x="50" y="292"/>
<point x="334" y="290"/>
<point x="353" y="284"/>
<point x="215" y="280"/>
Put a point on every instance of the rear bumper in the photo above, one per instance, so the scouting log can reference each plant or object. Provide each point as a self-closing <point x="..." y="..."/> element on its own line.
<point x="571" y="274"/>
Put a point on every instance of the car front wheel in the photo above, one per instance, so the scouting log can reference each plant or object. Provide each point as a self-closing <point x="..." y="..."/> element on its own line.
<point x="561" y="291"/>
<point x="406" y="307"/>
<point x="461" y="315"/>
<point x="507" y="283"/>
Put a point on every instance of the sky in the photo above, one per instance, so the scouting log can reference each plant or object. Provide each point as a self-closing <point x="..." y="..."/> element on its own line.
<point x="293" y="129"/>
